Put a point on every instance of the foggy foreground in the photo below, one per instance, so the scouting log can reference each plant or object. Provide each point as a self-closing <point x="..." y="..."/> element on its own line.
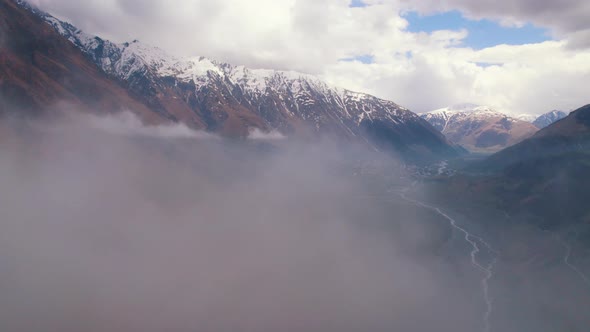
<point x="106" y="225"/>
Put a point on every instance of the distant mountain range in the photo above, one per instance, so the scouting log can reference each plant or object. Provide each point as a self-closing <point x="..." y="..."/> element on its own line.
<point x="544" y="120"/>
<point x="49" y="61"/>
<point x="548" y="119"/>
<point x="479" y="128"/>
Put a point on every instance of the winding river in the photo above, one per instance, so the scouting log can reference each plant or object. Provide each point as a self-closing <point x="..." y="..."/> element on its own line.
<point x="477" y="244"/>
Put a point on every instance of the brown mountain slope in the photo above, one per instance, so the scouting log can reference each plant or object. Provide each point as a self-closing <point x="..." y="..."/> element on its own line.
<point x="40" y="70"/>
<point x="480" y="129"/>
<point x="569" y="135"/>
<point x="543" y="179"/>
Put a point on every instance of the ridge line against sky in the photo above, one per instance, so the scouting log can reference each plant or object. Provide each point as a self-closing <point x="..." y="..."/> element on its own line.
<point x="525" y="56"/>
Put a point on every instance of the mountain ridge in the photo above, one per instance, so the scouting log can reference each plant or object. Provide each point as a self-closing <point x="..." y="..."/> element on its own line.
<point x="232" y="100"/>
<point x="569" y="135"/>
<point x="39" y="70"/>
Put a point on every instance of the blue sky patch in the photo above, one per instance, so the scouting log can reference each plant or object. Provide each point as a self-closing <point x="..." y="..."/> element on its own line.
<point x="357" y="3"/>
<point x="486" y="64"/>
<point x="366" y="59"/>
<point x="482" y="33"/>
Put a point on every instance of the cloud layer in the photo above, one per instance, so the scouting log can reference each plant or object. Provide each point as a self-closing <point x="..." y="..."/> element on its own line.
<point x="422" y="71"/>
<point x="104" y="232"/>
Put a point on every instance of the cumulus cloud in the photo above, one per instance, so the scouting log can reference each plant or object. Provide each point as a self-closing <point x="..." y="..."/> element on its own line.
<point x="279" y="34"/>
<point x="421" y="71"/>
<point x="563" y="16"/>
<point x="517" y="79"/>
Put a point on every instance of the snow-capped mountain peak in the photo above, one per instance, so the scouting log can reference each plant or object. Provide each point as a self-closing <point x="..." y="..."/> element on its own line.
<point x="440" y="118"/>
<point x="549" y="118"/>
<point x="544" y="120"/>
<point x="233" y="100"/>
<point x="126" y="59"/>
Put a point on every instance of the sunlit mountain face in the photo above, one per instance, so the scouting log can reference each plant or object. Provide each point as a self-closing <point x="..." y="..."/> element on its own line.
<point x="264" y="166"/>
<point x="480" y="128"/>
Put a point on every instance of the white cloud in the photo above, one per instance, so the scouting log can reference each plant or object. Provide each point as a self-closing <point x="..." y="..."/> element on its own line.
<point x="563" y="17"/>
<point x="522" y="79"/>
<point x="127" y="124"/>
<point x="418" y="70"/>
<point x="259" y="135"/>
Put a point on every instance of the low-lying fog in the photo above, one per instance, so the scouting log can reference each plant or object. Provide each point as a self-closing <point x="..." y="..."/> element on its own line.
<point x="106" y="225"/>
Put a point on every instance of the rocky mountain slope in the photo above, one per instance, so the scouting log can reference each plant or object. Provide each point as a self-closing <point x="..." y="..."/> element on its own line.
<point x="479" y="128"/>
<point x="232" y="100"/>
<point x="39" y="69"/>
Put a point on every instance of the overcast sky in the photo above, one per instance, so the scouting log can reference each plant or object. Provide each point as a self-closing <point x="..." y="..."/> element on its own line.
<point x="523" y="56"/>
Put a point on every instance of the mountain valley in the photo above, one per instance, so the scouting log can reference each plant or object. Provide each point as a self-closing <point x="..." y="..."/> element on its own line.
<point x="145" y="191"/>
